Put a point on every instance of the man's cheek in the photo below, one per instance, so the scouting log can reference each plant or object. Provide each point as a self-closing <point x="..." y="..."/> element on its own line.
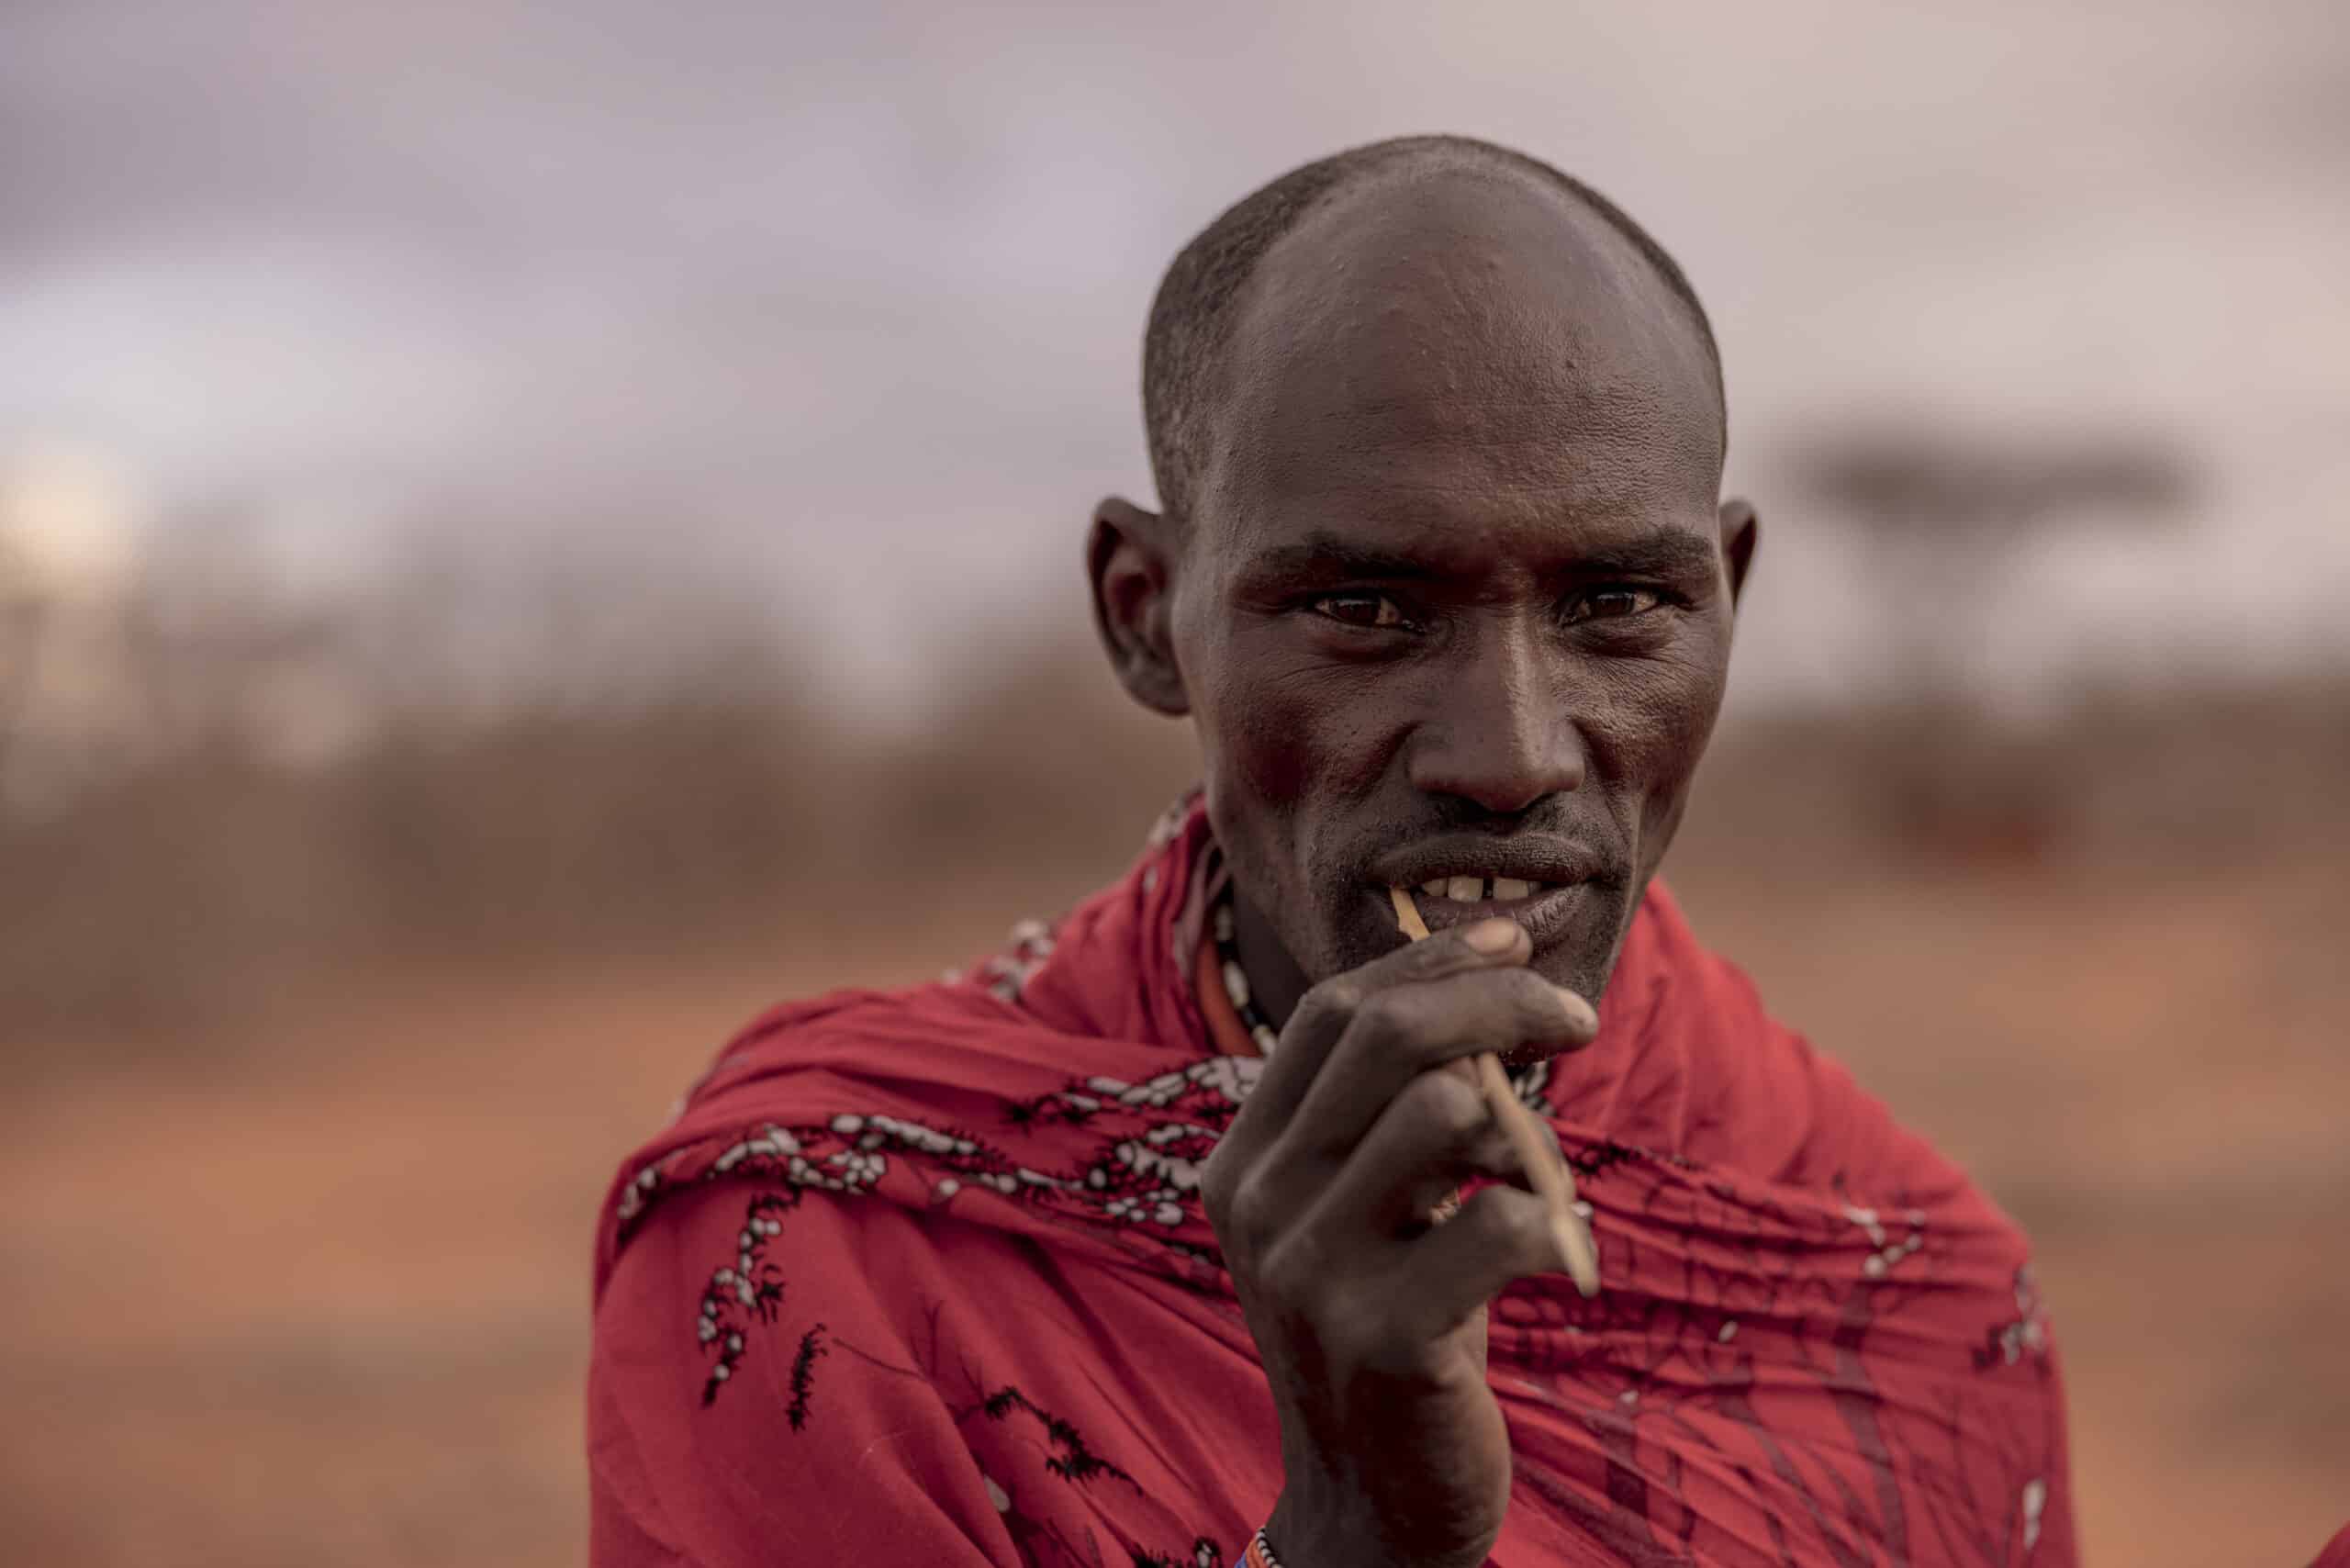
<point x="1272" y="745"/>
<point x="1658" y="756"/>
<point x="1664" y="713"/>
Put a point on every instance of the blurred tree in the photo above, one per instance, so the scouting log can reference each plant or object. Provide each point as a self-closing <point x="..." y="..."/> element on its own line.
<point x="22" y="612"/>
<point x="1946" y="518"/>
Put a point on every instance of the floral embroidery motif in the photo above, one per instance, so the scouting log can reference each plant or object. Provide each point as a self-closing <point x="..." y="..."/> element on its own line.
<point x="1007" y="973"/>
<point x="750" y="1287"/>
<point x="1529" y="1082"/>
<point x="2005" y="1344"/>
<point x="1145" y="1177"/>
<point x="637" y="1194"/>
<point x="2035" y="1499"/>
<point x="1877" y="1265"/>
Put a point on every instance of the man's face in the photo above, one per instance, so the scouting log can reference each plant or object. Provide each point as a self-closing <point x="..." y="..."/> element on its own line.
<point x="1454" y="602"/>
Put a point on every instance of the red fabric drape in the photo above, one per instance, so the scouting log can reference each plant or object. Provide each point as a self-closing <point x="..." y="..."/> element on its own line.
<point x="922" y="1277"/>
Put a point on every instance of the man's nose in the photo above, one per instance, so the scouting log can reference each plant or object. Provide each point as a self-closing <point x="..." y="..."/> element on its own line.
<point x="1503" y="735"/>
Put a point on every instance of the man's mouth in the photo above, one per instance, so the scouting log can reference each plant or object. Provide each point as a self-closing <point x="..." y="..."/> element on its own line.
<point x="1552" y="885"/>
<point x="1480" y="891"/>
<point x="1550" y="911"/>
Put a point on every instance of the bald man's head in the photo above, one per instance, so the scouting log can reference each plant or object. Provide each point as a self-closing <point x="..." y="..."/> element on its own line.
<point x="1203" y="300"/>
<point x="1444" y="577"/>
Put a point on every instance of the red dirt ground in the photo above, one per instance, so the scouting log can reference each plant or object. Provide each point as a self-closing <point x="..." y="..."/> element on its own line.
<point x="321" y="1297"/>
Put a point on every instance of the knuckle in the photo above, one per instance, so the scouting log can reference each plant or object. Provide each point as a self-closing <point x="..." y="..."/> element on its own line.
<point x="1216" y="1190"/>
<point x="1382" y="1009"/>
<point x="1330" y="1004"/>
<point x="1491" y="1152"/>
<point x="1512" y="1223"/>
<point x="1249" y="1214"/>
<point x="1529" y="1235"/>
<point x="1392" y="1017"/>
<point x="1295" y="1280"/>
<point x="1448" y="1105"/>
<point x="1352" y="1328"/>
<point x="1531" y="991"/>
<point x="1434" y="959"/>
<point x="1543" y="1007"/>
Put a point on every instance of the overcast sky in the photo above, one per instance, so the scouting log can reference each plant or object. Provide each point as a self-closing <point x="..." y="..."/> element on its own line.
<point x="849" y="296"/>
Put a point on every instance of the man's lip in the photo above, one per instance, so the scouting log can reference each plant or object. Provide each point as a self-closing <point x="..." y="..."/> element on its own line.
<point x="1528" y="859"/>
<point x="1546" y="916"/>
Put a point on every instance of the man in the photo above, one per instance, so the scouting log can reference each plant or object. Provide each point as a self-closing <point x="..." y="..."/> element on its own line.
<point x="1139" y="1244"/>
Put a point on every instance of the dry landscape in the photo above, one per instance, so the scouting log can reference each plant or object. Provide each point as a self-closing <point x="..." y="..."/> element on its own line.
<point x="315" y="1075"/>
<point x="318" y="1293"/>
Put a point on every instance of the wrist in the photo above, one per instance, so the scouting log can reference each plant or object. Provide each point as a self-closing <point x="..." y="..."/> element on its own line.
<point x="1300" y="1535"/>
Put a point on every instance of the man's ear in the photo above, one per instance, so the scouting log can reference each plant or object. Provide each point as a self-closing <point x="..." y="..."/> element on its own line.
<point x="1741" y="528"/>
<point x="1131" y="556"/>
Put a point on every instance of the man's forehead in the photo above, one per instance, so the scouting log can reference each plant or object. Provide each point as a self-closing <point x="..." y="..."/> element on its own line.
<point x="1461" y="317"/>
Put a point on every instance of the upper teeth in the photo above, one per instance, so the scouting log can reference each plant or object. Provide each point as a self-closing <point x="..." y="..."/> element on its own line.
<point x="1474" y="890"/>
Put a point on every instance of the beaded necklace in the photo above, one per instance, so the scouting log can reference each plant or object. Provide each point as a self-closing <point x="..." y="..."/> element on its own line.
<point x="1236" y="981"/>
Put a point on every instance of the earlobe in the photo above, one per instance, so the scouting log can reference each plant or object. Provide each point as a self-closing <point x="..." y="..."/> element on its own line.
<point x="1131" y="565"/>
<point x="1741" y="531"/>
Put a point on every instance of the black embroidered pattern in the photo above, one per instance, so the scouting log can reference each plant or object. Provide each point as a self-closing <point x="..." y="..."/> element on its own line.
<point x="1600" y="1155"/>
<point x="1072" y="1460"/>
<point x="1040" y="1538"/>
<point x="1205" y="1553"/>
<point x="1143" y="1174"/>
<point x="804" y="1376"/>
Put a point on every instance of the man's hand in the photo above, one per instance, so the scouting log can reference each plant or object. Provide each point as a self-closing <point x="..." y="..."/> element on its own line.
<point x="1370" y="1320"/>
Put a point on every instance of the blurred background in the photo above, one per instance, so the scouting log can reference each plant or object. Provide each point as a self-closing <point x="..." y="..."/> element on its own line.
<point x="527" y="533"/>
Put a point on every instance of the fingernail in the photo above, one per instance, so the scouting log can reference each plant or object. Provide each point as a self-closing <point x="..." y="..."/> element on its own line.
<point x="1579" y="1010"/>
<point x="1492" y="936"/>
<point x="1563" y="1244"/>
<point x="1586" y="1278"/>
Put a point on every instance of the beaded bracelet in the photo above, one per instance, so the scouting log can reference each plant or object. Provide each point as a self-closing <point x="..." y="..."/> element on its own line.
<point x="1259" y="1553"/>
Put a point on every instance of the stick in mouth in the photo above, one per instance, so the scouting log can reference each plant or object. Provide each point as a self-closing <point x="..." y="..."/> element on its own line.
<point x="1552" y="1182"/>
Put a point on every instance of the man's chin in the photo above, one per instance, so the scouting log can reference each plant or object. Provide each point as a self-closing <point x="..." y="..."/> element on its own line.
<point x="1584" y="970"/>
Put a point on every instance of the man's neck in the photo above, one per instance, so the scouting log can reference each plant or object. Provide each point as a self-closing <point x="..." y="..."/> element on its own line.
<point x="1275" y="982"/>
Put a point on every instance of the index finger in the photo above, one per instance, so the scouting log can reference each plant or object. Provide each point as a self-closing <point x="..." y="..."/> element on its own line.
<point x="1324" y="1011"/>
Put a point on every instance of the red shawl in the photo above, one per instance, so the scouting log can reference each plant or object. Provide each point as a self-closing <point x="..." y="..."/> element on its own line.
<point x="921" y="1277"/>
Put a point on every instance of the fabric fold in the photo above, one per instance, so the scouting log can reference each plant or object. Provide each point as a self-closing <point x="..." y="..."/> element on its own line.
<point x="1818" y="1342"/>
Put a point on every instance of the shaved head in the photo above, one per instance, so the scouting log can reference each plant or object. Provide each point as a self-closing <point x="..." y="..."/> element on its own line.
<point x="1444" y="576"/>
<point x="1204" y="297"/>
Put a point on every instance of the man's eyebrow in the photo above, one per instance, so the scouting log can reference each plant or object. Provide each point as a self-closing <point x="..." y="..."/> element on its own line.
<point x="1331" y="555"/>
<point x="1664" y="552"/>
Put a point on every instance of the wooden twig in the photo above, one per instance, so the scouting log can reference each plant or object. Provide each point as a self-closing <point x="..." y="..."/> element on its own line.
<point x="1545" y="1169"/>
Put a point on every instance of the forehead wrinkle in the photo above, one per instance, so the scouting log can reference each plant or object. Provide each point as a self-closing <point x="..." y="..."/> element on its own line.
<point x="1621" y="458"/>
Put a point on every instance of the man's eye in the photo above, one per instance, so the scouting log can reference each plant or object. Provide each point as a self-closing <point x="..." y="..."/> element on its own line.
<point x="1359" y="608"/>
<point x="1614" y="604"/>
